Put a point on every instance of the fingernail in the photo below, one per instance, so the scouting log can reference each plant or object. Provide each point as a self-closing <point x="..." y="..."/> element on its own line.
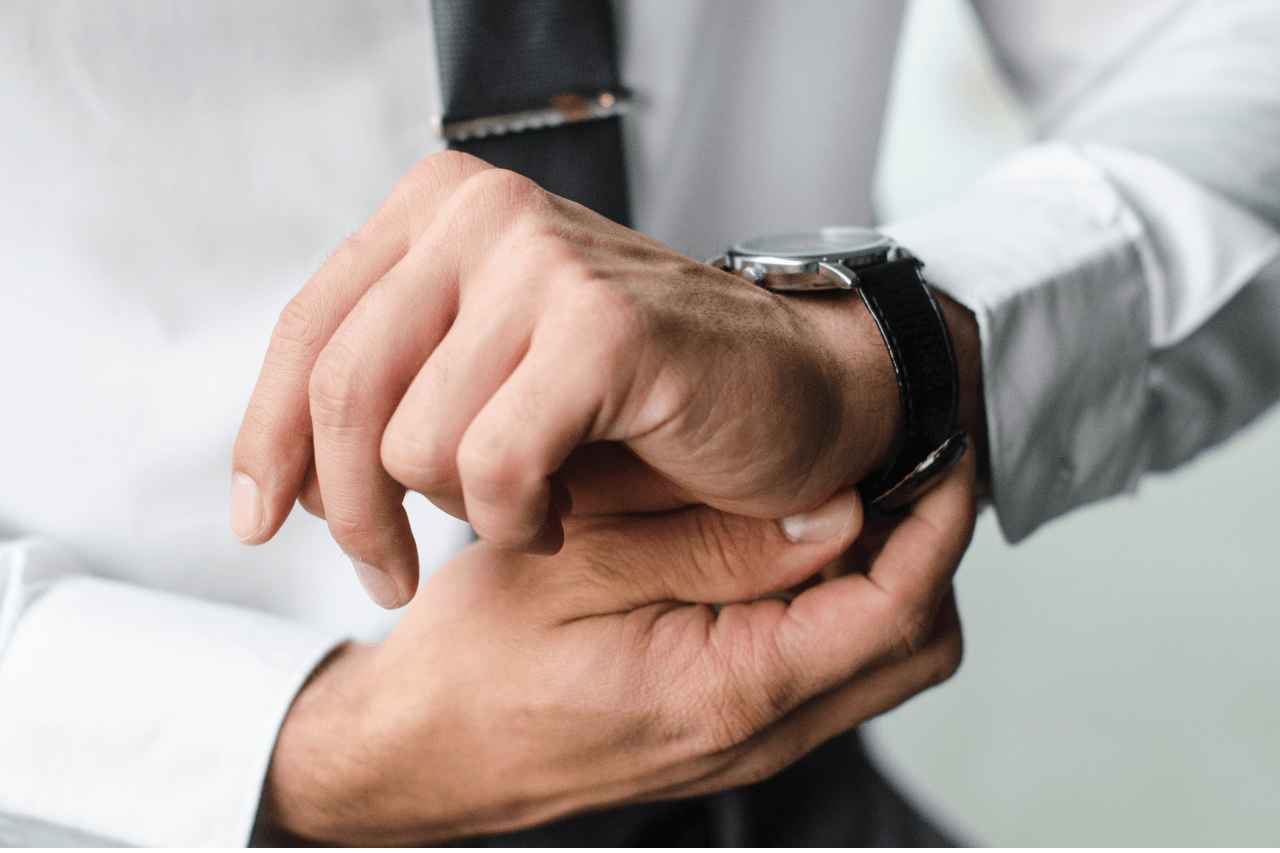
<point x="247" y="516"/>
<point x="832" y="520"/>
<point x="381" y="588"/>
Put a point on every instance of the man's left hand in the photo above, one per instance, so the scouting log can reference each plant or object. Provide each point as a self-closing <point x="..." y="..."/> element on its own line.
<point x="477" y="330"/>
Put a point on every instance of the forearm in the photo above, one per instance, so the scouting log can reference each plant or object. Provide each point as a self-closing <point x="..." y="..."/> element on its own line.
<point x="871" y="417"/>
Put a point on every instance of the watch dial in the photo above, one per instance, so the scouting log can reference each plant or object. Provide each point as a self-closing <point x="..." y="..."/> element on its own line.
<point x="822" y="243"/>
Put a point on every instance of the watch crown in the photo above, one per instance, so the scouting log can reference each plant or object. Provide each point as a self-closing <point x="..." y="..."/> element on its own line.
<point x="755" y="272"/>
<point x="897" y="253"/>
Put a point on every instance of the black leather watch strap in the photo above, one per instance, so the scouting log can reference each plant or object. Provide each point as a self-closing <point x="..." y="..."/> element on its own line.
<point x="915" y="333"/>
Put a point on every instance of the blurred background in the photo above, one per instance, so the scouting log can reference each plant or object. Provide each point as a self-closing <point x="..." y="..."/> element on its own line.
<point x="1121" y="682"/>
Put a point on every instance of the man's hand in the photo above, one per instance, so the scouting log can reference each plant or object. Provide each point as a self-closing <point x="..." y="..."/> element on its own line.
<point x="477" y="330"/>
<point x="519" y="689"/>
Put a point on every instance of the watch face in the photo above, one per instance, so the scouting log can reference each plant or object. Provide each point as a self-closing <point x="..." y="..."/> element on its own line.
<point x="833" y="243"/>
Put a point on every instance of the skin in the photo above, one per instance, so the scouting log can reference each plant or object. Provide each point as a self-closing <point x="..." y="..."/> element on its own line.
<point x="519" y="688"/>
<point x="478" y="339"/>
<point x="619" y="423"/>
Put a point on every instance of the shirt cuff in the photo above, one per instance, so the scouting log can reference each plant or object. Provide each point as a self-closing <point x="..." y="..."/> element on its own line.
<point x="145" y="717"/>
<point x="1044" y="253"/>
<point x="1077" y="263"/>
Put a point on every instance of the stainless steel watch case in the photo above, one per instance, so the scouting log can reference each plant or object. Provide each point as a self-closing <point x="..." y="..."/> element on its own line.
<point x="829" y="259"/>
<point x="798" y="262"/>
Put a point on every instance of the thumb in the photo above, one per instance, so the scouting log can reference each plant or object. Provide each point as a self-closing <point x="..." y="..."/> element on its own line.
<point x="704" y="555"/>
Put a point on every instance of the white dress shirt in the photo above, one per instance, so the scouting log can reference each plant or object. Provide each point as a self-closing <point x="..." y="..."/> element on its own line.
<point x="172" y="174"/>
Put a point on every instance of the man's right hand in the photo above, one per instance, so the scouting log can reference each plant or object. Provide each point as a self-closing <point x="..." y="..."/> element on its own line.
<point x="519" y="689"/>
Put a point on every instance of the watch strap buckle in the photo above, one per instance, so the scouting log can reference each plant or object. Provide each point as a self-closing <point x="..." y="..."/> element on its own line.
<point x="890" y="497"/>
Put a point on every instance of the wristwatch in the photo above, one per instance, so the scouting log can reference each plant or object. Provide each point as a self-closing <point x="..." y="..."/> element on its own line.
<point x="887" y="277"/>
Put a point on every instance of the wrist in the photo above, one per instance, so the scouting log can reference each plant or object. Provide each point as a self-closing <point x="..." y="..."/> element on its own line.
<point x="870" y="409"/>
<point x="312" y="766"/>
<point x="870" y="413"/>
<point x="361" y="759"/>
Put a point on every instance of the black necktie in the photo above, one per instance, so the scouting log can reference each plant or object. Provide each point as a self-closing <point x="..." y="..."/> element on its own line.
<point x="532" y="86"/>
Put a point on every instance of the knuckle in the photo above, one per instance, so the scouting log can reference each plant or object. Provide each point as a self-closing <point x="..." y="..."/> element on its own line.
<point x="418" y="464"/>
<point x="501" y="187"/>
<point x="442" y="171"/>
<point x="730" y="556"/>
<point x="779" y="691"/>
<point x="312" y="503"/>
<point x="912" y="629"/>
<point x="949" y="661"/>
<point x="302" y="325"/>
<point x="428" y="183"/>
<point x="335" y="389"/>
<point x="356" y="251"/>
<point x="939" y="662"/>
<point x="741" y="701"/>
<point x="485" y="460"/>
<point x="947" y="653"/>
<point x="720" y="547"/>
<point x="351" y="530"/>
<point x="452" y="164"/>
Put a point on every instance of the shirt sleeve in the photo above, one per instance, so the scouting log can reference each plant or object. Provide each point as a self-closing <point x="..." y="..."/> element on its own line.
<point x="1122" y="271"/>
<point x="156" y="714"/>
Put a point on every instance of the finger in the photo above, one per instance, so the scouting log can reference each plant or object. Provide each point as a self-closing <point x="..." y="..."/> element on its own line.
<point x="827" y="715"/>
<point x="273" y="448"/>
<point x="836" y="629"/>
<point x="363" y="374"/>
<point x="607" y="478"/>
<point x="481" y="349"/>
<point x="892" y="550"/>
<point x="354" y="388"/>
<point x="923" y="551"/>
<point x="694" y="555"/>
<point x="867" y="695"/>
<point x="309" y="494"/>
<point x="499" y="279"/>
<point x="551" y="403"/>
